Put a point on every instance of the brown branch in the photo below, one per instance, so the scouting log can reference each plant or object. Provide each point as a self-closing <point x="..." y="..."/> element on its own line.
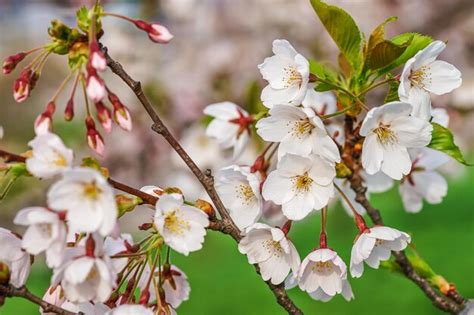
<point x="11" y="157"/>
<point x="226" y="225"/>
<point x="11" y="291"/>
<point x="351" y="158"/>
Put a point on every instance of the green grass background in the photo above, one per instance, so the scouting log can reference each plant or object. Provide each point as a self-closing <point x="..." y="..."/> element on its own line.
<point x="224" y="283"/>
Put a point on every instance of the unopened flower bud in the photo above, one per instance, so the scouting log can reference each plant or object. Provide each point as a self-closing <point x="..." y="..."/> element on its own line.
<point x="69" y="110"/>
<point x="90" y="246"/>
<point x="156" y="32"/>
<point x="22" y="87"/>
<point x="96" y="57"/>
<point x="145" y="226"/>
<point x="342" y="170"/>
<point x="121" y="113"/>
<point x="44" y="122"/>
<point x="94" y="139"/>
<point x="144" y="297"/>
<point x="10" y="63"/>
<point x="4" y="274"/>
<point x="126" y="203"/>
<point x="104" y="116"/>
<point x="95" y="85"/>
<point x="206" y="207"/>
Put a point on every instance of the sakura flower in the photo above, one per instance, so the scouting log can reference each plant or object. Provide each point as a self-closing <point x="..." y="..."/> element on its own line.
<point x="422" y="75"/>
<point x="53" y="295"/>
<point x="230" y="126"/>
<point x="88" y="200"/>
<point x="176" y="286"/>
<point x="183" y="227"/>
<point x="23" y="85"/>
<point x="240" y="193"/>
<point x="44" y="122"/>
<point x="94" y="139"/>
<point x="12" y="255"/>
<point x="130" y="309"/>
<point x="375" y="245"/>
<point x="46" y="233"/>
<point x="86" y="278"/>
<point x="113" y="246"/>
<point x="95" y="87"/>
<point x="389" y="130"/>
<point x="300" y="185"/>
<point x="97" y="59"/>
<point x="299" y="130"/>
<point x="49" y="156"/>
<point x="424" y="182"/>
<point x="287" y="73"/>
<point x="271" y="250"/>
<point x="323" y="274"/>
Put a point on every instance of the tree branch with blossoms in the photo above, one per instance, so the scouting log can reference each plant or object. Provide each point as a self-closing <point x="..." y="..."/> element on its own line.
<point x="312" y="157"/>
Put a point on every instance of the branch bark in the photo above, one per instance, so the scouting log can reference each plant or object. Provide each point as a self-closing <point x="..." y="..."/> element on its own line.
<point x="11" y="291"/>
<point x="351" y="158"/>
<point x="225" y="225"/>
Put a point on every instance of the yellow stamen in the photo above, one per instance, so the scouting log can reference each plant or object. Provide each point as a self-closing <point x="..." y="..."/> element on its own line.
<point x="174" y="223"/>
<point x="385" y="134"/>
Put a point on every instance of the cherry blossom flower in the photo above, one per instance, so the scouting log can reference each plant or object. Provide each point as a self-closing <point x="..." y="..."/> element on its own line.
<point x="300" y="185"/>
<point x="287" y="73"/>
<point x="389" y="130"/>
<point x="375" y="245"/>
<point x="113" y="246"/>
<point x="299" y="130"/>
<point x="86" y="278"/>
<point x="176" y="286"/>
<point x="95" y="87"/>
<point x="424" y="182"/>
<point x="88" y="200"/>
<point x="422" y="75"/>
<point x="323" y="274"/>
<point x="271" y="250"/>
<point x="183" y="227"/>
<point x="97" y="59"/>
<point x="49" y="156"/>
<point x="44" y="122"/>
<point x="17" y="260"/>
<point x="239" y="190"/>
<point x="22" y="86"/>
<point x="130" y="309"/>
<point x="53" y="295"/>
<point x="230" y="126"/>
<point x="46" y="233"/>
<point x="94" y="139"/>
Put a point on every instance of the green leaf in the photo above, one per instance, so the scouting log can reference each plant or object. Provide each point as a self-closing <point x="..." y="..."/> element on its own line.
<point x="343" y="31"/>
<point x="417" y="43"/>
<point x="253" y="104"/>
<point x="442" y="140"/>
<point x="323" y="87"/>
<point x="381" y="52"/>
<point x="392" y="94"/>
<point x="322" y="71"/>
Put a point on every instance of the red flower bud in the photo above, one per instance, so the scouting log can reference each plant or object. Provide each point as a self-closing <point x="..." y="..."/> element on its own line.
<point x="95" y="85"/>
<point x="94" y="139"/>
<point x="104" y="116"/>
<point x="69" y="111"/>
<point x="90" y="246"/>
<point x="10" y="63"/>
<point x="22" y="87"/>
<point x="96" y="57"/>
<point x="122" y="115"/>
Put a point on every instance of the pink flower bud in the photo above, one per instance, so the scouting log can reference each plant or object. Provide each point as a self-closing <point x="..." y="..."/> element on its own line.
<point x="69" y="110"/>
<point x="97" y="59"/>
<point x="156" y="32"/>
<point x="104" y="116"/>
<point x="121" y="113"/>
<point x="21" y="87"/>
<point x="10" y="63"/>
<point x="44" y="122"/>
<point x="95" y="85"/>
<point x="94" y="139"/>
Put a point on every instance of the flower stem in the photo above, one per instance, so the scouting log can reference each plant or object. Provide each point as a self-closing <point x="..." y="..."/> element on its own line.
<point x="360" y="223"/>
<point x="61" y="86"/>
<point x="344" y="90"/>
<point x="342" y="111"/>
<point x="376" y="85"/>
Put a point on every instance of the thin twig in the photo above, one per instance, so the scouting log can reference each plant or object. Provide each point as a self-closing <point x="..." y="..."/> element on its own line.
<point x="206" y="179"/>
<point x="11" y="291"/>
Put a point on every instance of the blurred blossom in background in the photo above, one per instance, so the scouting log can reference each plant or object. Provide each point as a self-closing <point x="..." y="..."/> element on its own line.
<point x="213" y="58"/>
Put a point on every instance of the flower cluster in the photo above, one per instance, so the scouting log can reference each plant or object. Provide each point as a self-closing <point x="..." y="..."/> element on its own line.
<point x="306" y="171"/>
<point x="86" y="60"/>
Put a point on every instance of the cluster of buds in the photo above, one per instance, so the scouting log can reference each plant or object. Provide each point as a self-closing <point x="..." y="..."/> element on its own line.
<point x="86" y="60"/>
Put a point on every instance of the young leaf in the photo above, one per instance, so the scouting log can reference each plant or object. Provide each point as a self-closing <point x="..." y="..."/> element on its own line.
<point x="443" y="140"/>
<point x="381" y="52"/>
<point x="392" y="94"/>
<point x="343" y="31"/>
<point x="417" y="43"/>
<point x="322" y="71"/>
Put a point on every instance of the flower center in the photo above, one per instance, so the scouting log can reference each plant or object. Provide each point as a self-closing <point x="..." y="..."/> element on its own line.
<point x="174" y="223"/>
<point x="91" y="191"/>
<point x="379" y="242"/>
<point x="59" y="160"/>
<point x="302" y="127"/>
<point x="292" y="76"/>
<point x="93" y="274"/>
<point x="420" y="77"/>
<point x="273" y="247"/>
<point x="323" y="266"/>
<point x="302" y="183"/>
<point x="45" y="229"/>
<point x="385" y="134"/>
<point x="245" y="193"/>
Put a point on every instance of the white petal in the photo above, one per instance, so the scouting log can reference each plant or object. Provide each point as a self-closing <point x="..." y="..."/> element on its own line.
<point x="396" y="161"/>
<point x="372" y="154"/>
<point x="444" y="78"/>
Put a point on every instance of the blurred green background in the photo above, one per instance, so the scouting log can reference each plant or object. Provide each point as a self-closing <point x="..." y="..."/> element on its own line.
<point x="222" y="282"/>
